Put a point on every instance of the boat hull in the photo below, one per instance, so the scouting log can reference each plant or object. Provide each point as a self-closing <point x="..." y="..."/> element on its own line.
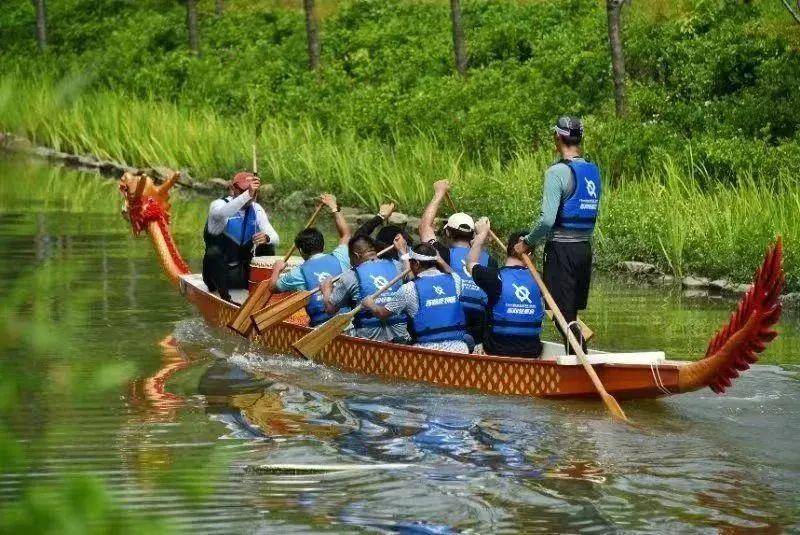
<point x="486" y="373"/>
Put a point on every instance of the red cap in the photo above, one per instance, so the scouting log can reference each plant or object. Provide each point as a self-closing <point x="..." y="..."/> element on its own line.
<point x="242" y="180"/>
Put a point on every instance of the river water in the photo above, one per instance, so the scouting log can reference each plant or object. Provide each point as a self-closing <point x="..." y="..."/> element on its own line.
<point x="199" y="414"/>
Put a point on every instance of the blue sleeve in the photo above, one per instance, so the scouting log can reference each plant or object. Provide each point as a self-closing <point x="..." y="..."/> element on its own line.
<point x="341" y="254"/>
<point x="292" y="281"/>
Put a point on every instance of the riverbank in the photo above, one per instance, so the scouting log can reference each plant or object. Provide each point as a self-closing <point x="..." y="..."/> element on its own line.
<point x="639" y="272"/>
<point x="682" y="222"/>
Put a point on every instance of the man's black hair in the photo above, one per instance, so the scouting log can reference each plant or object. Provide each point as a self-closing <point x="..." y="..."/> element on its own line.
<point x="513" y="239"/>
<point x="387" y="234"/>
<point x="360" y="241"/>
<point x="425" y="249"/>
<point x="574" y="126"/>
<point x="458" y="234"/>
<point x="310" y="241"/>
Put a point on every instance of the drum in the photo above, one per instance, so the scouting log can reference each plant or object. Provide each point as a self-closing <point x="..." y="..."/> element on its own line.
<point x="261" y="268"/>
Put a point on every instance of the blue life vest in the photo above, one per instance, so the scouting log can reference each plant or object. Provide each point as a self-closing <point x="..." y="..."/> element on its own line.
<point x="441" y="314"/>
<point x="240" y="228"/>
<point x="314" y="271"/>
<point x="579" y="211"/>
<point x="472" y="297"/>
<point x="372" y="276"/>
<point x="519" y="310"/>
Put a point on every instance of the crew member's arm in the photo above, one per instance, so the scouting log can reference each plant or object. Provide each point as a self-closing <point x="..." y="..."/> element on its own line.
<point x="286" y="282"/>
<point x="341" y="225"/>
<point x="444" y="267"/>
<point x="427" y="230"/>
<point x="220" y="211"/>
<point x="369" y="227"/>
<point x="335" y="295"/>
<point x="397" y="305"/>
<point x="551" y="198"/>
<point x="266" y="233"/>
<point x="482" y="227"/>
<point x="401" y="246"/>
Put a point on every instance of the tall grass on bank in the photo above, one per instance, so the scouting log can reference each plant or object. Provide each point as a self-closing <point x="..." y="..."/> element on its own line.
<point x="672" y="214"/>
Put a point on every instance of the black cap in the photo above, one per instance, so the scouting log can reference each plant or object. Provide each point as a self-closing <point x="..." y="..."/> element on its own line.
<point x="569" y="127"/>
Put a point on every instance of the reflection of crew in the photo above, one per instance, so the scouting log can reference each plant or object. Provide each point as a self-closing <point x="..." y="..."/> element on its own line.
<point x="235" y="224"/>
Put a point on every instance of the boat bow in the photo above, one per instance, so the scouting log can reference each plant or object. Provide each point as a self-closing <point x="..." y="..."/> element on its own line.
<point x="147" y="208"/>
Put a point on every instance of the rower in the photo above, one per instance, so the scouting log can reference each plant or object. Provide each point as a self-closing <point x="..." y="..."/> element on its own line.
<point x="514" y="314"/>
<point x="317" y="265"/>
<point x="431" y="302"/>
<point x="387" y="231"/>
<point x="459" y="230"/>
<point x="235" y="224"/>
<point x="369" y="273"/>
<point x="570" y="203"/>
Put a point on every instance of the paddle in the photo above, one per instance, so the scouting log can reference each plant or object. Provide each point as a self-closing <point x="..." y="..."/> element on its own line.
<point x="608" y="399"/>
<point x="261" y="294"/>
<point x="277" y="312"/>
<point x="586" y="332"/>
<point x="316" y="340"/>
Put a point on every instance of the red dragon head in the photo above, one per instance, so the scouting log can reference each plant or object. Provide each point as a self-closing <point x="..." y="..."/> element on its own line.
<point x="144" y="201"/>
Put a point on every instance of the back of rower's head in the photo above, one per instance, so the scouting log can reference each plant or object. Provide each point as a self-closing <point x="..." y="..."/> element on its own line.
<point x="425" y="250"/>
<point x="513" y="239"/>
<point x="460" y="227"/>
<point x="309" y="242"/>
<point x="388" y="233"/>
<point x="361" y="248"/>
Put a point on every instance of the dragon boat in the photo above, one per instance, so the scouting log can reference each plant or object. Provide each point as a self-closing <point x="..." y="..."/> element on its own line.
<point x="626" y="375"/>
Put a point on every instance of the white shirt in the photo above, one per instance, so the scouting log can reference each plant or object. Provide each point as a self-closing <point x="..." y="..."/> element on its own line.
<point x="220" y="211"/>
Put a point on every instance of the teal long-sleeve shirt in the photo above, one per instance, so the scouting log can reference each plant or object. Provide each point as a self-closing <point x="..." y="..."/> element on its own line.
<point x="558" y="186"/>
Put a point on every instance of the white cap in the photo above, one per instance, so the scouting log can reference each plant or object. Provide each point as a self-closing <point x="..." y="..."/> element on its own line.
<point x="461" y="221"/>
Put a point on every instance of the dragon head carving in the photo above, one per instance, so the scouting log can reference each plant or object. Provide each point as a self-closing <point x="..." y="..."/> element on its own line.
<point x="144" y="201"/>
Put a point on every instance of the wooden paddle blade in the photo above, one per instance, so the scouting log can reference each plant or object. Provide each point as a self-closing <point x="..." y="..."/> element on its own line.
<point x="613" y="407"/>
<point x="257" y="299"/>
<point x="312" y="343"/>
<point x="276" y="313"/>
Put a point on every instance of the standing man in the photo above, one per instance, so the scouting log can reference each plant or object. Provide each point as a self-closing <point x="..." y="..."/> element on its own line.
<point x="515" y="310"/>
<point x="570" y="203"/>
<point x="235" y="224"/>
<point x="459" y="231"/>
<point x="317" y="265"/>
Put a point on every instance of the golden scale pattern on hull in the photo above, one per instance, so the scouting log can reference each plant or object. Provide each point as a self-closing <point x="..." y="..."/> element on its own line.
<point x="490" y="374"/>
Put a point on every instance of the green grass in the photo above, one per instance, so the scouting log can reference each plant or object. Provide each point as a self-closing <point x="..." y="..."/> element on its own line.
<point x="673" y="213"/>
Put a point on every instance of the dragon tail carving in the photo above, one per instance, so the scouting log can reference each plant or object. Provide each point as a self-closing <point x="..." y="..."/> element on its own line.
<point x="737" y="345"/>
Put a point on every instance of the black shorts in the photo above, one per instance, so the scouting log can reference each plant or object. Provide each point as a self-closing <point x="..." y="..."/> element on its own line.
<point x="568" y="274"/>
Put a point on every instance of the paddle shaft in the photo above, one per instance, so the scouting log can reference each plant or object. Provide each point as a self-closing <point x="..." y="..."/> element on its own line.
<point x="255" y="196"/>
<point x="608" y="399"/>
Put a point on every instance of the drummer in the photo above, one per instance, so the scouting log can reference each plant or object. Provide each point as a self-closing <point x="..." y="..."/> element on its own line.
<point x="236" y="228"/>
